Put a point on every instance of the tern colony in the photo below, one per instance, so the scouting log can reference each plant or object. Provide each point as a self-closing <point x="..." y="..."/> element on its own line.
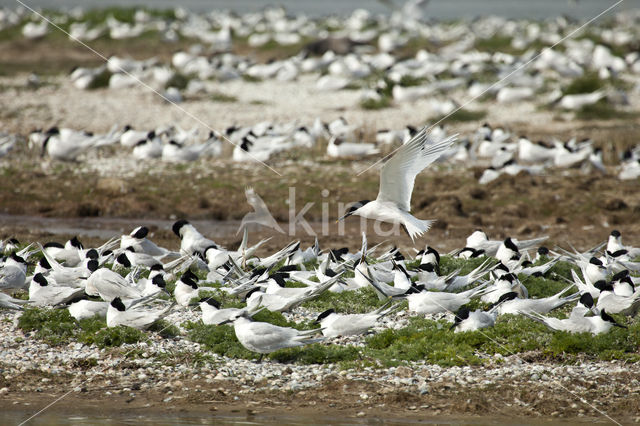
<point x="360" y="50"/>
<point x="356" y="49"/>
<point x="125" y="280"/>
<point x="108" y="280"/>
<point x="496" y="149"/>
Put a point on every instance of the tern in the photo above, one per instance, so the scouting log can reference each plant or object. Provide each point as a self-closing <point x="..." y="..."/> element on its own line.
<point x="83" y="309"/>
<point x="615" y="304"/>
<point x="264" y="338"/>
<point x="213" y="314"/>
<point x="130" y="137"/>
<point x="9" y="302"/>
<point x="42" y="294"/>
<point x="138" y="317"/>
<point x="186" y="289"/>
<point x="261" y="215"/>
<point x="511" y="303"/>
<point x="578" y="324"/>
<point x="108" y="284"/>
<point x="435" y="302"/>
<point x="614" y="244"/>
<point x="191" y="241"/>
<point x="479" y="241"/>
<point x="396" y="184"/>
<point x="138" y="240"/>
<point x="334" y="324"/>
<point x="467" y="320"/>
<point x="13" y="273"/>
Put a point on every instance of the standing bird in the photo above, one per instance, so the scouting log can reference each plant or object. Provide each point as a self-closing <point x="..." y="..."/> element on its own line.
<point x="396" y="184"/>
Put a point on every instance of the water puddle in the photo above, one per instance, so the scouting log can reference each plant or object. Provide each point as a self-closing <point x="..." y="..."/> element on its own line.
<point x="107" y="227"/>
<point x="54" y="419"/>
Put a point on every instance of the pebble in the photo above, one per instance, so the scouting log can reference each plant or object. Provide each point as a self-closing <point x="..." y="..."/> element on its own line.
<point x="21" y="354"/>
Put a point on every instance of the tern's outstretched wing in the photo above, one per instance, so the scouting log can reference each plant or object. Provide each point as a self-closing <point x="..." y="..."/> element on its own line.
<point x="399" y="173"/>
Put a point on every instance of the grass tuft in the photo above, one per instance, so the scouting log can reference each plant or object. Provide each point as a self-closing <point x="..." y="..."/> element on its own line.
<point x="602" y="110"/>
<point x="587" y="83"/>
<point x="219" y="339"/>
<point x="221" y="97"/>
<point x="375" y="104"/>
<point x="461" y="116"/>
<point x="100" y="81"/>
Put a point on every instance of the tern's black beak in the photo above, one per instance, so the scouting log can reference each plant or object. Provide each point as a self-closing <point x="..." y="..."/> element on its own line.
<point x="344" y="217"/>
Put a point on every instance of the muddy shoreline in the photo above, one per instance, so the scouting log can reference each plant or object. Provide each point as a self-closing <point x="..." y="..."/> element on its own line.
<point x="341" y="400"/>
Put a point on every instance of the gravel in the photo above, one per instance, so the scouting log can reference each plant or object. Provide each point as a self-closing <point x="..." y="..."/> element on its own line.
<point x="116" y="373"/>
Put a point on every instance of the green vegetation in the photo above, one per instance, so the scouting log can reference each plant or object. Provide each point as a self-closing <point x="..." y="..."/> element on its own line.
<point x="221" y="97"/>
<point x="219" y="339"/>
<point x="348" y="302"/>
<point x="408" y="81"/>
<point x="449" y="264"/>
<point x="373" y="104"/>
<point x="110" y="336"/>
<point x="54" y="326"/>
<point x="588" y="83"/>
<point x="420" y="340"/>
<point x="57" y="327"/>
<point x="496" y="43"/>
<point x="462" y="115"/>
<point x="101" y="80"/>
<point x="250" y="78"/>
<point x="601" y="110"/>
<point x="317" y="354"/>
<point x="179" y="81"/>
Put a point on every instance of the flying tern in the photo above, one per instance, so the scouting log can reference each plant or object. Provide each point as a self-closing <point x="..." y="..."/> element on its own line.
<point x="397" y="179"/>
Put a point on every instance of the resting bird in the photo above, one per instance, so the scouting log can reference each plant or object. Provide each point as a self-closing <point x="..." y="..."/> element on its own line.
<point x="136" y="317"/>
<point x="264" y="338"/>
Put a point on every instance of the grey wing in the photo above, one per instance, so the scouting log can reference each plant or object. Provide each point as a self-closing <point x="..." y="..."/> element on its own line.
<point x="139" y="319"/>
<point x="399" y="173"/>
<point x="271" y="336"/>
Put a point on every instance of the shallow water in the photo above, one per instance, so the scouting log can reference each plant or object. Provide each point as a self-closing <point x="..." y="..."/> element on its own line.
<point x="107" y="227"/>
<point x="451" y="9"/>
<point x="54" y="419"/>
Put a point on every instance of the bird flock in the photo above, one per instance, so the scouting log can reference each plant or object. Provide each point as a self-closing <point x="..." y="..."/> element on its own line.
<point x="126" y="281"/>
<point x="365" y="50"/>
<point x="495" y="149"/>
<point x="131" y="281"/>
<point x="390" y="59"/>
